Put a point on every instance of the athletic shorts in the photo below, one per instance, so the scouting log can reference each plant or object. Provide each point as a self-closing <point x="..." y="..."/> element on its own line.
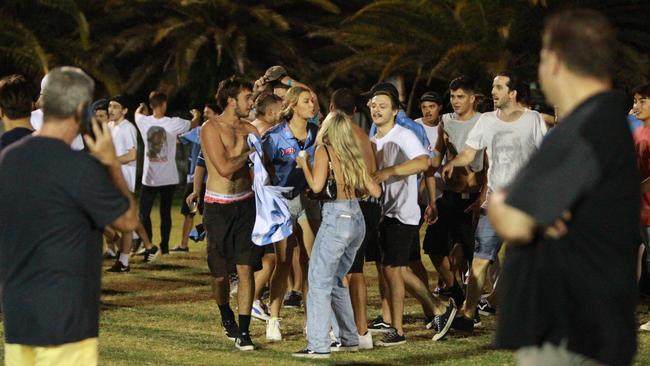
<point x="302" y="208"/>
<point x="185" y="209"/>
<point x="229" y="227"/>
<point x="396" y="242"/>
<point x="369" y="248"/>
<point x="453" y="226"/>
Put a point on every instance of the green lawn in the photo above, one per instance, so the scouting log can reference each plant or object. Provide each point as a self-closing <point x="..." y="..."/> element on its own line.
<point x="162" y="314"/>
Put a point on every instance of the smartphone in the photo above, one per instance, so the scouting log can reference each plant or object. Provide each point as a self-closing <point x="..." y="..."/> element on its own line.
<point x="87" y="120"/>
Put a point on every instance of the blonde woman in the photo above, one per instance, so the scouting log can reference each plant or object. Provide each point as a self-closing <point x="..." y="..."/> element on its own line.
<point x="282" y="144"/>
<point x="341" y="232"/>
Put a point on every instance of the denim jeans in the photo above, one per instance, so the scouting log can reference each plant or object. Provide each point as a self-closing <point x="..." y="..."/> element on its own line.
<point x="487" y="242"/>
<point x="338" y="239"/>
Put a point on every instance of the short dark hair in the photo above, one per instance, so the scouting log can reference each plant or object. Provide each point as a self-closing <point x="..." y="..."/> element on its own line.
<point x="583" y="39"/>
<point x="215" y="108"/>
<point x="394" y="102"/>
<point x="230" y="88"/>
<point x="100" y="105"/>
<point x="515" y="83"/>
<point x="462" y="82"/>
<point x="157" y="98"/>
<point x="15" y="96"/>
<point x="264" y="101"/>
<point x="343" y="99"/>
<point x="642" y="90"/>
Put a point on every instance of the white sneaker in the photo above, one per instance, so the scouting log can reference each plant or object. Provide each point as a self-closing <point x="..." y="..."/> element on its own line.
<point x="273" y="330"/>
<point x="258" y="312"/>
<point x="365" y="341"/>
<point x="331" y="335"/>
<point x="645" y="326"/>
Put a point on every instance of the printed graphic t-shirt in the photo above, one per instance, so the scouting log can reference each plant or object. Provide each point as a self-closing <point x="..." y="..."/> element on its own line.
<point x="159" y="136"/>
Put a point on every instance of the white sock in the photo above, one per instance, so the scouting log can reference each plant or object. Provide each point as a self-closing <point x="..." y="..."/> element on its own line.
<point x="124" y="258"/>
<point x="110" y="251"/>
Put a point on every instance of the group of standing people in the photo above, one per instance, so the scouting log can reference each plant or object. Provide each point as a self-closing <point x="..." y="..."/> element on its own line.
<point x="567" y="208"/>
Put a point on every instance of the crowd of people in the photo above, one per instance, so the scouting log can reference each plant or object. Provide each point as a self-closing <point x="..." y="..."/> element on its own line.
<point x="326" y="197"/>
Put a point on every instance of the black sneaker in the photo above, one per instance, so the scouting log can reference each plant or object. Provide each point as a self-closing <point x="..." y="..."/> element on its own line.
<point x="118" y="267"/>
<point x="294" y="300"/>
<point x="265" y="293"/>
<point x="150" y="255"/>
<point x="379" y="326"/>
<point x="477" y="320"/>
<point x="443" y="322"/>
<point x="391" y="339"/>
<point x="463" y="324"/>
<point x="307" y="353"/>
<point x="455" y="293"/>
<point x="231" y="329"/>
<point x="180" y="249"/>
<point x="244" y="342"/>
<point x="485" y="308"/>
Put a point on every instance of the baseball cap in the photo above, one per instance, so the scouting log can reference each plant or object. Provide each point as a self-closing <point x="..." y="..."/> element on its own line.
<point x="100" y="104"/>
<point x="274" y="73"/>
<point x="121" y="100"/>
<point x="382" y="87"/>
<point x="431" y="96"/>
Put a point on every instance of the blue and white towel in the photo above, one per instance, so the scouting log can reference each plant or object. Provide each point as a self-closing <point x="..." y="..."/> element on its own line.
<point x="273" y="219"/>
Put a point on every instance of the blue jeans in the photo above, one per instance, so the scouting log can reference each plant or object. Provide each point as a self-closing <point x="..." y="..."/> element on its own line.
<point x="487" y="242"/>
<point x="339" y="237"/>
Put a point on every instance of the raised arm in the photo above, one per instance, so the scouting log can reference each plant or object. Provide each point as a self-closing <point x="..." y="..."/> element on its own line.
<point x="214" y="150"/>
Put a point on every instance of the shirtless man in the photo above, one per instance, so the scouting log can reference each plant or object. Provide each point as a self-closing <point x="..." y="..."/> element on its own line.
<point x="461" y="194"/>
<point x="229" y="213"/>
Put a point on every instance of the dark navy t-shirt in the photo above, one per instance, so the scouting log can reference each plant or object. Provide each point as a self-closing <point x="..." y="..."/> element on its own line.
<point x="13" y="135"/>
<point x="54" y="203"/>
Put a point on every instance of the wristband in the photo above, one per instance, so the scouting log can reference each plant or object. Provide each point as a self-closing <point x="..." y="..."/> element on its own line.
<point x="290" y="82"/>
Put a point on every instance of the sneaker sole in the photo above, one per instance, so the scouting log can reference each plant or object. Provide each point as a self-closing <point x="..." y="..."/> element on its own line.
<point x="245" y="348"/>
<point x="312" y="355"/>
<point x="260" y="317"/>
<point x="486" y="313"/>
<point x="391" y="344"/>
<point x="378" y="331"/>
<point x="440" y="335"/>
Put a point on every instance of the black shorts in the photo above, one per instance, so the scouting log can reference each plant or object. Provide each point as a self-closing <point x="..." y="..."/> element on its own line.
<point x="228" y="230"/>
<point x="185" y="209"/>
<point x="416" y="249"/>
<point x="396" y="242"/>
<point x="269" y="249"/>
<point x="453" y="225"/>
<point x="369" y="248"/>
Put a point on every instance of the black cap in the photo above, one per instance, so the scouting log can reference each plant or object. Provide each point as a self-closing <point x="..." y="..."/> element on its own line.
<point x="121" y="100"/>
<point x="100" y="104"/>
<point x="431" y="96"/>
<point x="274" y="73"/>
<point x="382" y="87"/>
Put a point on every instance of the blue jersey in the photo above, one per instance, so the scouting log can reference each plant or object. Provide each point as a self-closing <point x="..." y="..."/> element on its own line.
<point x="402" y="120"/>
<point x="192" y="137"/>
<point x="281" y="148"/>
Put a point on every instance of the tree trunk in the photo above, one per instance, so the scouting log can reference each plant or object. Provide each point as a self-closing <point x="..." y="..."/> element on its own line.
<point x="418" y="75"/>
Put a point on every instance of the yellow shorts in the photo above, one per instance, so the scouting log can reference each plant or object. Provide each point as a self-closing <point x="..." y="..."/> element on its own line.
<point x="82" y="353"/>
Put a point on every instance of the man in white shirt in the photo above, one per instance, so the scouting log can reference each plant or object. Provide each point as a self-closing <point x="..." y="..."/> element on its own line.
<point x="125" y="140"/>
<point x="509" y="135"/>
<point x="400" y="157"/>
<point x="160" y="175"/>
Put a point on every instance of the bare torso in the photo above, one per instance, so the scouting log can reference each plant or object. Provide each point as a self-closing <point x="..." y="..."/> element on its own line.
<point x="463" y="179"/>
<point x="233" y="139"/>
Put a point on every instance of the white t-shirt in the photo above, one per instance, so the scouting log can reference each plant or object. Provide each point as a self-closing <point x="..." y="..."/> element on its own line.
<point x="509" y="145"/>
<point x="36" y="120"/>
<point x="432" y="135"/>
<point x="159" y="136"/>
<point x="125" y="138"/>
<point x="400" y="193"/>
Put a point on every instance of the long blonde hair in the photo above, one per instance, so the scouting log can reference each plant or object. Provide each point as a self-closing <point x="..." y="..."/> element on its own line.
<point x="290" y="102"/>
<point x="336" y="131"/>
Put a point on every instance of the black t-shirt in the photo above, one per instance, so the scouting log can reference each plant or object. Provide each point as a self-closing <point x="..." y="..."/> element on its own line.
<point x="580" y="288"/>
<point x="54" y="202"/>
<point x="13" y="135"/>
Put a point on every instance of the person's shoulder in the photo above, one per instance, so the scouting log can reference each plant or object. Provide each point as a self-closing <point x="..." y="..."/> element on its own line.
<point x="488" y="117"/>
<point x="276" y="130"/>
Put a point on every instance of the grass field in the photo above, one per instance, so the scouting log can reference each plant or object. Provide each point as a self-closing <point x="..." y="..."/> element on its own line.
<point x="162" y="314"/>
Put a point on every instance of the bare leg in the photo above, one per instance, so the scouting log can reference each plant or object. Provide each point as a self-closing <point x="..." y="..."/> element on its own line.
<point x="475" y="284"/>
<point x="384" y="292"/>
<point x="246" y="289"/>
<point x="264" y="275"/>
<point x="359" y="297"/>
<point x="283" y="257"/>
<point x="395" y="281"/>
<point x="443" y="266"/>
<point x="188" y="223"/>
<point x="220" y="290"/>
<point x="142" y="233"/>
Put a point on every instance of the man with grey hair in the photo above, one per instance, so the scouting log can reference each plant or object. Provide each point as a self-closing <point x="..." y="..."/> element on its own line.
<point x="51" y="276"/>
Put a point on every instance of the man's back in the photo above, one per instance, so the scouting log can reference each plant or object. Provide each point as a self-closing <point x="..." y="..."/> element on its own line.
<point x="584" y="281"/>
<point x="55" y="202"/>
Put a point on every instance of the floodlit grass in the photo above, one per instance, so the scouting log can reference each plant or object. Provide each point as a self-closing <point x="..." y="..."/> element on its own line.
<point x="162" y="314"/>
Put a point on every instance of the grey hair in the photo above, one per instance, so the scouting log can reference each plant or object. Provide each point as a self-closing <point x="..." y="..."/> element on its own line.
<point x="65" y="89"/>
